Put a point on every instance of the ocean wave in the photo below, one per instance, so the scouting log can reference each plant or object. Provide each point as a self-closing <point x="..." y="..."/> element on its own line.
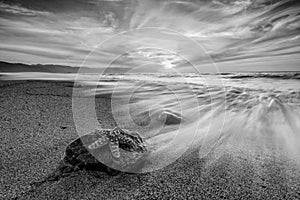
<point x="211" y="114"/>
<point x="205" y="115"/>
<point x="275" y="75"/>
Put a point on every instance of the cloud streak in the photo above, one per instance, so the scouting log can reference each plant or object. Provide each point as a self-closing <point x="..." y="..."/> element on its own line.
<point x="231" y="32"/>
<point x="18" y="10"/>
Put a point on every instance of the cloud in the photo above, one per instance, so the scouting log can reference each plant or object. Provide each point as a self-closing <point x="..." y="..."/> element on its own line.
<point x="19" y="10"/>
<point x="70" y="29"/>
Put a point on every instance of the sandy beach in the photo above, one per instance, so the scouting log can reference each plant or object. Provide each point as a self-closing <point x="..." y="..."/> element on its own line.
<point x="37" y="123"/>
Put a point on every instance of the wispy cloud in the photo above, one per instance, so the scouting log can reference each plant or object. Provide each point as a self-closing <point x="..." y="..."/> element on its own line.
<point x="19" y="10"/>
<point x="65" y="31"/>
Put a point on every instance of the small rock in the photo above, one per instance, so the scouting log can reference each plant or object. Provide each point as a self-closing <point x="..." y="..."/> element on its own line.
<point x="170" y="118"/>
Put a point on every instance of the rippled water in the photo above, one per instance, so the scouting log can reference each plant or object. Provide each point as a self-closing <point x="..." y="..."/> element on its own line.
<point x="248" y="111"/>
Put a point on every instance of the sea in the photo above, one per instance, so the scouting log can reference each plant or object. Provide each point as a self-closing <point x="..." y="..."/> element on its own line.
<point x="241" y="112"/>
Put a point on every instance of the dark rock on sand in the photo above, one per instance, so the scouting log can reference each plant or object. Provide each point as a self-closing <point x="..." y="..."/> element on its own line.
<point x="170" y="118"/>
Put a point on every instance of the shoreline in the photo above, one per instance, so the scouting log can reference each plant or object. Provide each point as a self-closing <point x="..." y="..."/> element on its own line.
<point x="37" y="124"/>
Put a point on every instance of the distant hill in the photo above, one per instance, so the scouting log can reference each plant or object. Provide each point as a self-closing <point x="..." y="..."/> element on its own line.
<point x="19" y="67"/>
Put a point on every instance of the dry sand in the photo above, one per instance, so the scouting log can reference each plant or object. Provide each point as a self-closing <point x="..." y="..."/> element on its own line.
<point x="36" y="124"/>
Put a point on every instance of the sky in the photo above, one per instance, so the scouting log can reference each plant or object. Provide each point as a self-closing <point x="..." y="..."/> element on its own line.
<point x="153" y="35"/>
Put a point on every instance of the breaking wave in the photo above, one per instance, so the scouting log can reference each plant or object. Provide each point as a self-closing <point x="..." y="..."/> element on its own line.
<point x="250" y="113"/>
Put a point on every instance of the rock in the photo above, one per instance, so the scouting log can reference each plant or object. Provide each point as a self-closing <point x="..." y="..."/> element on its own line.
<point x="170" y="118"/>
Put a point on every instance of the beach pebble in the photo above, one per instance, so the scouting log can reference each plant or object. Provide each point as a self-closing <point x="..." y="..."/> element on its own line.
<point x="170" y="118"/>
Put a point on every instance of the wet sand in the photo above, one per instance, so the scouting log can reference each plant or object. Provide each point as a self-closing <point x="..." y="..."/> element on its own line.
<point x="37" y="123"/>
